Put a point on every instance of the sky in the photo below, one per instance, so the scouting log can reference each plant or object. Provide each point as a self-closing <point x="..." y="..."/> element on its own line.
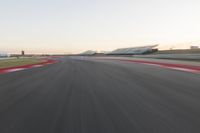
<point x="73" y="26"/>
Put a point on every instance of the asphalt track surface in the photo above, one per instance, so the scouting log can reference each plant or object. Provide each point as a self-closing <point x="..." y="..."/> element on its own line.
<point x="83" y="95"/>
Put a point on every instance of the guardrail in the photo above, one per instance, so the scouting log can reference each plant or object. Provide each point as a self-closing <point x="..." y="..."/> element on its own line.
<point x="6" y="58"/>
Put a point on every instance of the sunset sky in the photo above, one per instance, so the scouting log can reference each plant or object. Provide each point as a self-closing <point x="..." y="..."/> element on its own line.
<point x="73" y="26"/>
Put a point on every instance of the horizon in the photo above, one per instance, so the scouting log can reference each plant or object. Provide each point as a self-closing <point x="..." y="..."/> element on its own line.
<point x="41" y="26"/>
<point x="177" y="46"/>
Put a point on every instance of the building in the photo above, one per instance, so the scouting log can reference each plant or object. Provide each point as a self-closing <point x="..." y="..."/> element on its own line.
<point x="194" y="47"/>
<point x="22" y="53"/>
<point x="134" y="50"/>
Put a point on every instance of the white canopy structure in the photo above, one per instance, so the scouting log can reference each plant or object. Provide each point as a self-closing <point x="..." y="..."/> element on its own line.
<point x="89" y="52"/>
<point x="4" y="54"/>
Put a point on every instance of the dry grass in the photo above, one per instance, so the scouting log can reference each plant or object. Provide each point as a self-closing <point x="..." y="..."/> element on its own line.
<point x="18" y="62"/>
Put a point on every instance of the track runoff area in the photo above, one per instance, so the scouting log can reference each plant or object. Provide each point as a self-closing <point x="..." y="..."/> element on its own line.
<point x="101" y="95"/>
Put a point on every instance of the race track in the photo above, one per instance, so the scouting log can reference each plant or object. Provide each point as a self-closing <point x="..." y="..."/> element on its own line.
<point x="88" y="95"/>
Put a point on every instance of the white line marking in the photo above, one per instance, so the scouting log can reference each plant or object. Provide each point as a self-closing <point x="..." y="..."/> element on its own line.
<point x="16" y="69"/>
<point x="175" y="68"/>
<point x="184" y="69"/>
<point x="37" y="65"/>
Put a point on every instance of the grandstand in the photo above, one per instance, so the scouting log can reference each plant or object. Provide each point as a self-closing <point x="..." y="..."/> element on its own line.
<point x="134" y="50"/>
